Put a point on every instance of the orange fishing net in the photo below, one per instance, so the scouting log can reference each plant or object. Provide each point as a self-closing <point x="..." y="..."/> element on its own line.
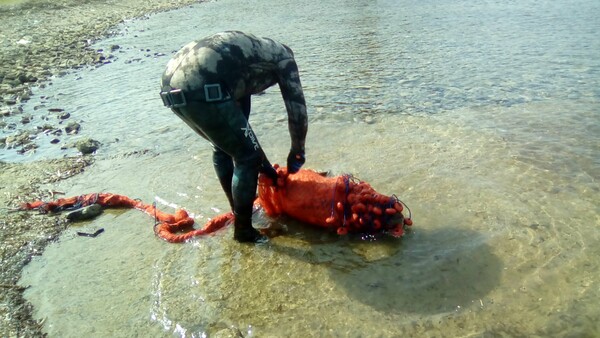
<point x="174" y="228"/>
<point x="342" y="203"/>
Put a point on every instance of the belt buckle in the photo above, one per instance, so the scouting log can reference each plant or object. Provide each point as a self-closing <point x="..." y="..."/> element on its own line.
<point x="213" y="92"/>
<point x="173" y="99"/>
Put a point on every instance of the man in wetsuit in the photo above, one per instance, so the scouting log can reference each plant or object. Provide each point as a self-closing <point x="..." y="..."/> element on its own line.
<point x="209" y="84"/>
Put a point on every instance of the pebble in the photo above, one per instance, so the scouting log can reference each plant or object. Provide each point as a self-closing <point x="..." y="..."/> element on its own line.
<point x="87" y="146"/>
<point x="85" y="213"/>
<point x="45" y="127"/>
<point x="63" y="115"/>
<point x="14" y="141"/>
<point x="72" y="128"/>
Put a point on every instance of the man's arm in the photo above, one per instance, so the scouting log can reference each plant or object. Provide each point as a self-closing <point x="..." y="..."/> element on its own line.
<point x="293" y="97"/>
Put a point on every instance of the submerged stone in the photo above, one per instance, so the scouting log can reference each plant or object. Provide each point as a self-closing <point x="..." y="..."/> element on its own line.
<point x="85" y="213"/>
<point x="87" y="146"/>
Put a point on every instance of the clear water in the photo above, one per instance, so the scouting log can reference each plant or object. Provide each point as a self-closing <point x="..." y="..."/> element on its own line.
<point x="483" y="116"/>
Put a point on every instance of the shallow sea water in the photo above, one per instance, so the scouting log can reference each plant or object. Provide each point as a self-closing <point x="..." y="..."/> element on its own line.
<point x="481" y="116"/>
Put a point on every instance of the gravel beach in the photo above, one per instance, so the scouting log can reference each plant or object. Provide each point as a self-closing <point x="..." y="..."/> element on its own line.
<point x="40" y="39"/>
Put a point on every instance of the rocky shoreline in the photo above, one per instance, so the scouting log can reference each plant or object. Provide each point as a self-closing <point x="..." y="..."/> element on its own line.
<point x="41" y="39"/>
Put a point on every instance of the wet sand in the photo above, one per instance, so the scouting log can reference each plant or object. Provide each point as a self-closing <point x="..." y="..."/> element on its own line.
<point x="41" y="39"/>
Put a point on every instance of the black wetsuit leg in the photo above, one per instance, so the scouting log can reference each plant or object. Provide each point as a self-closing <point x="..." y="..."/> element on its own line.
<point x="224" y="168"/>
<point x="225" y="125"/>
<point x="245" y="105"/>
<point x="223" y="163"/>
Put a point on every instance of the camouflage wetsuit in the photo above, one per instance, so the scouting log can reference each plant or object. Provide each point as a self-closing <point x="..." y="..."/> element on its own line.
<point x="208" y="84"/>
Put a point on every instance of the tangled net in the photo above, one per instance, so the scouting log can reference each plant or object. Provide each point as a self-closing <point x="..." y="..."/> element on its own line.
<point x="342" y="203"/>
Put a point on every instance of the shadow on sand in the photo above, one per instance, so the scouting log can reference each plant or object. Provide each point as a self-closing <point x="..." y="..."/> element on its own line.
<point x="425" y="272"/>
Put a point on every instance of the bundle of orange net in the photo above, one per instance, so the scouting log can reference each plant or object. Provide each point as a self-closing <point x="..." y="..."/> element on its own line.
<point x="342" y="203"/>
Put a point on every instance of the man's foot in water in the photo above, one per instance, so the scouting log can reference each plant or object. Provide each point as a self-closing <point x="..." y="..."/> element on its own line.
<point x="249" y="235"/>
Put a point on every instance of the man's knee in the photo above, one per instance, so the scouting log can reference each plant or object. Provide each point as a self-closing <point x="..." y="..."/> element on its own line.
<point x="251" y="160"/>
<point x="220" y="157"/>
